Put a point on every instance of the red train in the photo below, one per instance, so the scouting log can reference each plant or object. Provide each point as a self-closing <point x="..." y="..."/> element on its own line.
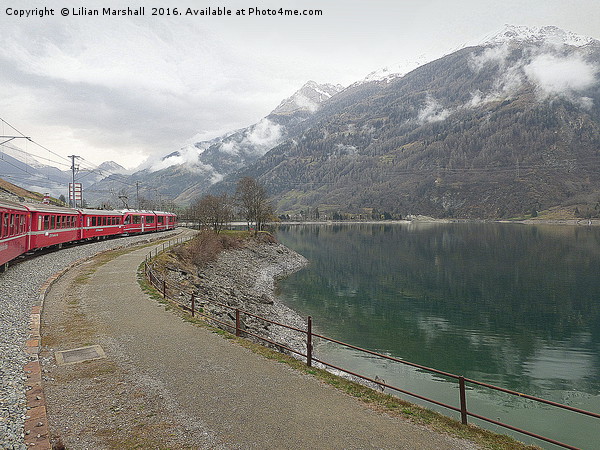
<point x="27" y="227"/>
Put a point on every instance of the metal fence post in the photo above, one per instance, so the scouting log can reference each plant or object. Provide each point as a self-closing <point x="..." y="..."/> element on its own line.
<point x="193" y="304"/>
<point x="164" y="289"/>
<point x="463" y="400"/>
<point x="237" y="322"/>
<point x="309" y="342"/>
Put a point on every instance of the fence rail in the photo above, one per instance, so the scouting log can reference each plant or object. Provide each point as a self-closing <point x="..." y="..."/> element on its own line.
<point x="236" y="328"/>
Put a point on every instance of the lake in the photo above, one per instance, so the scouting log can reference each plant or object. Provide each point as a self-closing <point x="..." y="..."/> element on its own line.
<point x="517" y="306"/>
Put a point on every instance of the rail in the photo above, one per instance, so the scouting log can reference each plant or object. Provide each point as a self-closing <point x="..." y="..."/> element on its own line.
<point x="236" y="328"/>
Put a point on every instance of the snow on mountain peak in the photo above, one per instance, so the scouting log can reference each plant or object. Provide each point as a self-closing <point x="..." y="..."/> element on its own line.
<point x="308" y="98"/>
<point x="549" y="34"/>
<point x="388" y="74"/>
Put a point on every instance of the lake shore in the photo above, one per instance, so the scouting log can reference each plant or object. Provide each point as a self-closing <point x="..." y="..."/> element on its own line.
<point x="424" y="219"/>
<point x="245" y="278"/>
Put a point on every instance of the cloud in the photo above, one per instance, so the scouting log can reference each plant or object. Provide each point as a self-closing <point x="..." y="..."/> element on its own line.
<point x="187" y="156"/>
<point x="432" y="112"/>
<point x="257" y="139"/>
<point x="496" y="55"/>
<point x="563" y="76"/>
<point x="125" y="88"/>
<point x="548" y="69"/>
<point x="304" y="102"/>
<point x="265" y="134"/>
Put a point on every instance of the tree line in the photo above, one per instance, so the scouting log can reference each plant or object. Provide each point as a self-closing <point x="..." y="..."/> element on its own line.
<point x="250" y="203"/>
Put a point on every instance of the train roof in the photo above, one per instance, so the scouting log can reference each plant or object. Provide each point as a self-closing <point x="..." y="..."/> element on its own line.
<point x="39" y="207"/>
<point x="100" y="212"/>
<point x="136" y="211"/>
<point x="43" y="208"/>
<point x="12" y="205"/>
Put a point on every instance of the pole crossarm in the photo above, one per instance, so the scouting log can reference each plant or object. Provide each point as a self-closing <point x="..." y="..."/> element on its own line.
<point x="10" y="138"/>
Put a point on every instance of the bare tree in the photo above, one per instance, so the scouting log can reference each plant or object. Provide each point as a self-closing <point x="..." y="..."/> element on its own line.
<point x="213" y="212"/>
<point x="254" y="202"/>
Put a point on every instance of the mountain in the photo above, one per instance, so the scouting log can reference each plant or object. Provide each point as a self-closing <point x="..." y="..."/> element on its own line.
<point x="185" y="174"/>
<point x="26" y="170"/>
<point x="304" y="101"/>
<point x="21" y="168"/>
<point x="13" y="193"/>
<point x="499" y="129"/>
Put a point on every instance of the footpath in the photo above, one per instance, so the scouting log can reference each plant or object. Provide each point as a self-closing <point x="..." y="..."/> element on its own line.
<point x="162" y="382"/>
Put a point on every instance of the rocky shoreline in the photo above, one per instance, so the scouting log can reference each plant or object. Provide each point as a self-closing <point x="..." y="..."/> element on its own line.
<point x="244" y="278"/>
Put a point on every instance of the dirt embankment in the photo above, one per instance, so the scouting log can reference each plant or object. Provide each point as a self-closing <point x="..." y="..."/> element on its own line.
<point x="242" y="276"/>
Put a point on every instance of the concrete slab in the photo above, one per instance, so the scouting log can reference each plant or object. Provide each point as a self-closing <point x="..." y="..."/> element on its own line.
<point x="78" y="355"/>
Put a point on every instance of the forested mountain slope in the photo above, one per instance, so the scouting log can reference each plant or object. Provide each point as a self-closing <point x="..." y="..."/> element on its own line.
<point x="491" y="131"/>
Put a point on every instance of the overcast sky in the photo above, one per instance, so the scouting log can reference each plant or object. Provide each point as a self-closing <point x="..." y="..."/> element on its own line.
<point x="131" y="88"/>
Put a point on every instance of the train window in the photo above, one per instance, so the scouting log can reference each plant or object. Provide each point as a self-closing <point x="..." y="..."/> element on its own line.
<point x="137" y="219"/>
<point x="94" y="219"/>
<point x="160" y="220"/>
<point x="127" y="220"/>
<point x="46" y="222"/>
<point x="3" y="223"/>
<point x="149" y="219"/>
<point x="52" y="222"/>
<point x="23" y="223"/>
<point x="12" y="224"/>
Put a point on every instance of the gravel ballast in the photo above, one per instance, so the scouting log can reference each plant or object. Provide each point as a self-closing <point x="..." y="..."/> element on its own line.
<point x="19" y="292"/>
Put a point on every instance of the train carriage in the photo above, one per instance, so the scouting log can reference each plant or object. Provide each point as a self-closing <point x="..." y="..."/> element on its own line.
<point x="99" y="223"/>
<point x="171" y="219"/>
<point x="14" y="224"/>
<point x="162" y="221"/>
<point x="25" y="227"/>
<point x="140" y="221"/>
<point x="53" y="225"/>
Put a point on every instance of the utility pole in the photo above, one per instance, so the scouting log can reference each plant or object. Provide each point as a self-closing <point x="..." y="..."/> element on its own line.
<point x="137" y="187"/>
<point x="73" y="202"/>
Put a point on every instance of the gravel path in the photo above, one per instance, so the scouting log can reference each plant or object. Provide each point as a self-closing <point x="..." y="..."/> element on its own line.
<point x="19" y="291"/>
<point x="166" y="383"/>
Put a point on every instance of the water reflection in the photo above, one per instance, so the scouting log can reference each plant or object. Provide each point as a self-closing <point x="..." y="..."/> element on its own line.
<point x="517" y="306"/>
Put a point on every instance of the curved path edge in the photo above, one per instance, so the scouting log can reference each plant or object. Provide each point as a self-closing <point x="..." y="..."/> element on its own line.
<point x="237" y="399"/>
<point x="36" y="421"/>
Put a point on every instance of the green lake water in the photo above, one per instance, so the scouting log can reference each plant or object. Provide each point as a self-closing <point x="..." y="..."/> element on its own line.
<point x="517" y="306"/>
